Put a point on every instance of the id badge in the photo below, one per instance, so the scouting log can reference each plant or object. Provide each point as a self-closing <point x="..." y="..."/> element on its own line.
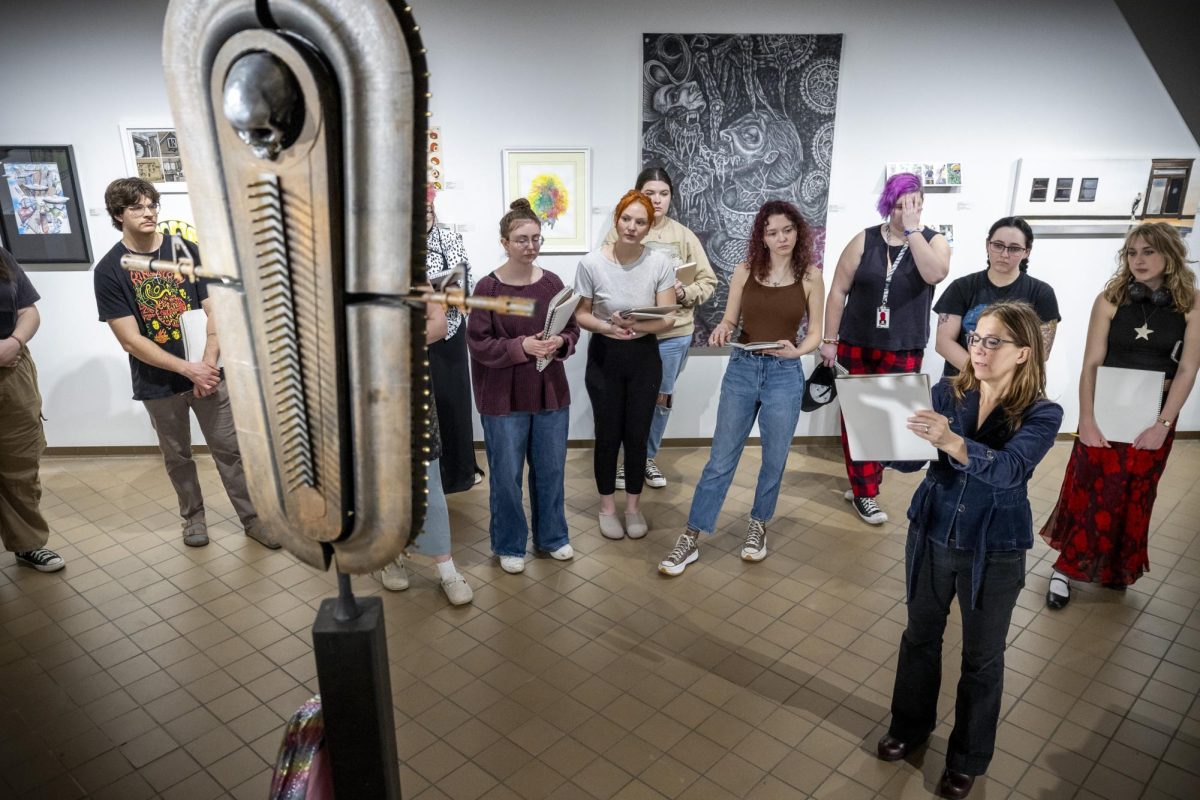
<point x="883" y="317"/>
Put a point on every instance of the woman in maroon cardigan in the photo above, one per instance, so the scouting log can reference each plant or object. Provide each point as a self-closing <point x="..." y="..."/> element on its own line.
<point x="524" y="411"/>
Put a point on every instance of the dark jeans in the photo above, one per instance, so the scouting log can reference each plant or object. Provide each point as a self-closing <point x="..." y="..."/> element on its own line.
<point x="946" y="572"/>
<point x="622" y="380"/>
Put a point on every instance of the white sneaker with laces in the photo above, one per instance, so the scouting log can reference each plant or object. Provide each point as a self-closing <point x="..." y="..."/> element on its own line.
<point x="654" y="476"/>
<point x="457" y="590"/>
<point x="867" y="508"/>
<point x="42" y="560"/>
<point x="513" y="565"/>
<point x="755" y="548"/>
<point x="685" y="552"/>
<point x="620" y="484"/>
<point x="395" y="576"/>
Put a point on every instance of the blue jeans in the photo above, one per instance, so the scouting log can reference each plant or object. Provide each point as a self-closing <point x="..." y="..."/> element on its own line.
<point x="770" y="388"/>
<point x="674" y="355"/>
<point x="945" y="573"/>
<point x="434" y="538"/>
<point x="510" y="441"/>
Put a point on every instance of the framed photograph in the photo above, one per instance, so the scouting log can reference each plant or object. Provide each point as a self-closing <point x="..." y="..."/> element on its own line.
<point x="41" y="215"/>
<point x="557" y="183"/>
<point x="1062" y="189"/>
<point x="152" y="153"/>
<point x="946" y="173"/>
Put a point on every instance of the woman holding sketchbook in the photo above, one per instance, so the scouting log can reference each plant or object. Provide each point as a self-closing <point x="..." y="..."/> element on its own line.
<point x="624" y="369"/>
<point x="694" y="285"/>
<point x="970" y="525"/>
<point x="522" y="396"/>
<point x="1145" y="319"/>
<point x="771" y="294"/>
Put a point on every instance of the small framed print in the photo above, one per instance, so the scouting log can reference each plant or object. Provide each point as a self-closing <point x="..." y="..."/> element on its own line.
<point x="1062" y="190"/>
<point x="1039" y="190"/>
<point x="557" y="183"/>
<point x="1087" y="190"/>
<point x="152" y="153"/>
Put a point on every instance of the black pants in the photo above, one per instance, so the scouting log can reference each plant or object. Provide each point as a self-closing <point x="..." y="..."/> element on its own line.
<point x="451" y="379"/>
<point x="622" y="382"/>
<point x="946" y="571"/>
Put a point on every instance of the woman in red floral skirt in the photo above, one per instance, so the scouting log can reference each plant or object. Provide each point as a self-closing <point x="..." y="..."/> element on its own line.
<point x="1146" y="318"/>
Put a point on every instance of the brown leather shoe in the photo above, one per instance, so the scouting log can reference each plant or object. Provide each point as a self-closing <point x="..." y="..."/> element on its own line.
<point x="955" y="785"/>
<point x="892" y="749"/>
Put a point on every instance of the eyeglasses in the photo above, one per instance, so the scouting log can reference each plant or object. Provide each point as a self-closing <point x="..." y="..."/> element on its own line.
<point x="1001" y="247"/>
<point x="138" y="210"/>
<point x="988" y="342"/>
<point x="525" y="241"/>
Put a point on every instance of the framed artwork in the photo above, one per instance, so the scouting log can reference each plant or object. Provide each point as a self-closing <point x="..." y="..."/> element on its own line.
<point x="152" y="154"/>
<point x="557" y="183"/>
<point x="40" y="211"/>
<point x="947" y="173"/>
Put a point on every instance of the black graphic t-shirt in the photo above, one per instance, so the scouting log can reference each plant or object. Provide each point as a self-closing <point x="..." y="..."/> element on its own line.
<point x="157" y="300"/>
<point x="969" y="295"/>
<point x="15" y="293"/>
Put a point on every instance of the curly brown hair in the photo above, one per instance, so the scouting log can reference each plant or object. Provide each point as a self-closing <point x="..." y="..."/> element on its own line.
<point x="759" y="257"/>
<point x="123" y="193"/>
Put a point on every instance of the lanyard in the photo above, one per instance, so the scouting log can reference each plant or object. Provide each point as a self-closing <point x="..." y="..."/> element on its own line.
<point x="891" y="270"/>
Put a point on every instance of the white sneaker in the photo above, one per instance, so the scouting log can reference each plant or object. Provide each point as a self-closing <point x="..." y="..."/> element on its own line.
<point x="686" y="551"/>
<point x="458" y="591"/>
<point x="867" y="508"/>
<point x="395" y="576"/>
<point x="564" y="553"/>
<point x="620" y="484"/>
<point x="654" y="476"/>
<point x="513" y="565"/>
<point x="755" y="548"/>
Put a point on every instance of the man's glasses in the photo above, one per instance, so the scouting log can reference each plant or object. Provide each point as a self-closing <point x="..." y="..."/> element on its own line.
<point x="525" y="241"/>
<point x="1001" y="247"/>
<point x="988" y="342"/>
<point x="138" y="210"/>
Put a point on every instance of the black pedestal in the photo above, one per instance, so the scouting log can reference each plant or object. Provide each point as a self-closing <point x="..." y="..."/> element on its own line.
<point x="356" y="699"/>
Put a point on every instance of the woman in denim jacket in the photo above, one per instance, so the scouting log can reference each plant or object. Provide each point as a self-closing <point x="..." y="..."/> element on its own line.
<point x="969" y="527"/>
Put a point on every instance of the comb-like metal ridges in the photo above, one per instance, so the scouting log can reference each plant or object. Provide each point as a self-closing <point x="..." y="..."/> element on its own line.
<point x="271" y="261"/>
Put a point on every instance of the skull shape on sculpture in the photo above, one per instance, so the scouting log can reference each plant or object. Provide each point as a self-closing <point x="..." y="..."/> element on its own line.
<point x="264" y="104"/>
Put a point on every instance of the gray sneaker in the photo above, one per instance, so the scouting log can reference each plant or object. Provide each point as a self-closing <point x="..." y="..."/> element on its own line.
<point x="686" y="551"/>
<point x="755" y="548"/>
<point x="654" y="476"/>
<point x="195" y="534"/>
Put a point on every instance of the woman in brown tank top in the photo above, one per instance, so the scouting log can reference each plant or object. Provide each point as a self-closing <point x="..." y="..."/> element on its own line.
<point x="771" y="294"/>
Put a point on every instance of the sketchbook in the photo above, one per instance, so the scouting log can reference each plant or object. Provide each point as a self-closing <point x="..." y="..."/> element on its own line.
<point x="755" y="347"/>
<point x="650" y="312"/>
<point x="193" y="328"/>
<point x="686" y="273"/>
<point x="561" y="309"/>
<point x="1127" y="401"/>
<point x="876" y="409"/>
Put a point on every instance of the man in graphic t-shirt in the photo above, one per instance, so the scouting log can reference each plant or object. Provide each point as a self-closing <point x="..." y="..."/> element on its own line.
<point x="143" y="309"/>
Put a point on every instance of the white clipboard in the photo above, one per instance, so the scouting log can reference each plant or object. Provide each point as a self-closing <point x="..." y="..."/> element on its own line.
<point x="193" y="328"/>
<point x="876" y="409"/>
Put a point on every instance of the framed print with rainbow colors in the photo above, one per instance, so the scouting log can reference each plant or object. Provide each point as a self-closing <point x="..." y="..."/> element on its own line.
<point x="557" y="183"/>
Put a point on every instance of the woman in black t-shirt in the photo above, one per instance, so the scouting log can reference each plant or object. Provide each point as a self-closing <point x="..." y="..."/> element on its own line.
<point x="1147" y="318"/>
<point x="1009" y="243"/>
<point x="22" y="526"/>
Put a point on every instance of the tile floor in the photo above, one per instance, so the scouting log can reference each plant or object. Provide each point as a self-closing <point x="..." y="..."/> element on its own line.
<point x="148" y="669"/>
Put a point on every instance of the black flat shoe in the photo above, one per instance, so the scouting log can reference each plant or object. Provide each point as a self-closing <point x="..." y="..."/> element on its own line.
<point x="890" y="748"/>
<point x="955" y="785"/>
<point x="1116" y="587"/>
<point x="1057" y="601"/>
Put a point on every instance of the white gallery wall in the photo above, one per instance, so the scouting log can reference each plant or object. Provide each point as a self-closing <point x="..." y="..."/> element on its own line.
<point x="983" y="84"/>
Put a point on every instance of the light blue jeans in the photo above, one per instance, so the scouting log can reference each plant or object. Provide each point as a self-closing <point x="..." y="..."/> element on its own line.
<point x="434" y="538"/>
<point x="766" y="387"/>
<point x="511" y="441"/>
<point x="674" y="355"/>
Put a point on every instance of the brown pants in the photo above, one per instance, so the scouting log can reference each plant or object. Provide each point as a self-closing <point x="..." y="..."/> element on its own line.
<point x="169" y="416"/>
<point x="22" y="441"/>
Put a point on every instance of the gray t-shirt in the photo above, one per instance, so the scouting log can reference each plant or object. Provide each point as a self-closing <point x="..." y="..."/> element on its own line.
<point x="614" y="287"/>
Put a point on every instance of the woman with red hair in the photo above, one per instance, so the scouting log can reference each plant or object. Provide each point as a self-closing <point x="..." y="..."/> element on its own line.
<point x="623" y="366"/>
<point x="772" y="294"/>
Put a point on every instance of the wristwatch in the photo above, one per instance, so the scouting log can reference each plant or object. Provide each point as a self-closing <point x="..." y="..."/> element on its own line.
<point x="1166" y="423"/>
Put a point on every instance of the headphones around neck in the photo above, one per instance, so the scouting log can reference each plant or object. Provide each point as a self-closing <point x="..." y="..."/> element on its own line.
<point x="1141" y="293"/>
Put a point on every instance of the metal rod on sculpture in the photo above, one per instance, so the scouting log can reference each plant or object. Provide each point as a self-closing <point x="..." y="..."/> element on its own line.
<point x="182" y="268"/>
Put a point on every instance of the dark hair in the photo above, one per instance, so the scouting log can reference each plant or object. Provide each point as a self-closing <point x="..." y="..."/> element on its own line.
<point x="757" y="255"/>
<point x="123" y="193"/>
<point x="519" y="211"/>
<point x="654" y="174"/>
<point x="1021" y="225"/>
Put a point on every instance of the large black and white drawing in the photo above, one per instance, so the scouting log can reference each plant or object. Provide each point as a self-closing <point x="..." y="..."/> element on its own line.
<point x="739" y="119"/>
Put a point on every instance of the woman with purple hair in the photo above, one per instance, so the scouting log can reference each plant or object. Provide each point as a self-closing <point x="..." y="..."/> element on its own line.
<point x="877" y="314"/>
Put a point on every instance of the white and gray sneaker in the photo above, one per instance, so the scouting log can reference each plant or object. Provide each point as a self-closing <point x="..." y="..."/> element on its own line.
<point x="395" y="576"/>
<point x="686" y="551"/>
<point x="621" y="477"/>
<point x="867" y="508"/>
<point x="42" y="560"/>
<point x="654" y="476"/>
<point x="755" y="548"/>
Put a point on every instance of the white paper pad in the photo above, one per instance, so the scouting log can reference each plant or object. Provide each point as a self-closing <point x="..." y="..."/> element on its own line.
<point x="876" y="409"/>
<point x="1127" y="401"/>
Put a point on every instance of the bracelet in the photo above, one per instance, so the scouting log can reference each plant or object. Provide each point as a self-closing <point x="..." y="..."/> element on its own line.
<point x="907" y="232"/>
<point x="1166" y="423"/>
<point x="830" y="341"/>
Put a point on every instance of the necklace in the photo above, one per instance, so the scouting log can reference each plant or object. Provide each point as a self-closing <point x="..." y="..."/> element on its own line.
<point x="1145" y="331"/>
<point x="885" y="230"/>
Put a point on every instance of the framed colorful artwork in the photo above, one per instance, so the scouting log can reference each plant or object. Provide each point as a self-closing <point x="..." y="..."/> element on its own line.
<point x="152" y="153"/>
<point x="41" y="215"/>
<point x="557" y="183"/>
